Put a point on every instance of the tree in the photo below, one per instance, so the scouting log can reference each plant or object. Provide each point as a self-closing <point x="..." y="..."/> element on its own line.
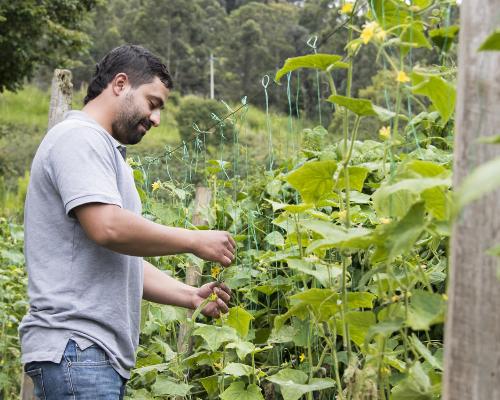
<point x="260" y="41"/>
<point x="183" y="34"/>
<point x="45" y="32"/>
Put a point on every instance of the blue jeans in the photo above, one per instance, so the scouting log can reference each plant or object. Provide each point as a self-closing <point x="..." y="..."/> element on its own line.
<point x="81" y="375"/>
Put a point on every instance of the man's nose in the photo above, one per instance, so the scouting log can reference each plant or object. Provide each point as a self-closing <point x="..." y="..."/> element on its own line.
<point x="155" y="118"/>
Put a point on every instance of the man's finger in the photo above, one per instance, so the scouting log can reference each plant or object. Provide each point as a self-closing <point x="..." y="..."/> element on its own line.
<point x="222" y="306"/>
<point x="231" y="240"/>
<point x="224" y="287"/>
<point x="225" y="261"/>
<point x="229" y="255"/>
<point x="225" y="297"/>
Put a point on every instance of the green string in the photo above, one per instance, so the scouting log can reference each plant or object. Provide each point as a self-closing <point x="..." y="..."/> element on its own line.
<point x="312" y="44"/>
<point x="265" y="83"/>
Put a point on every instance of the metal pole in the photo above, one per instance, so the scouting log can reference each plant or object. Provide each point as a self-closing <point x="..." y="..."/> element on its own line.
<point x="212" y="96"/>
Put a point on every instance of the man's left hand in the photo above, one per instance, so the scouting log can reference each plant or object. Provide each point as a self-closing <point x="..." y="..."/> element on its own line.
<point x="213" y="308"/>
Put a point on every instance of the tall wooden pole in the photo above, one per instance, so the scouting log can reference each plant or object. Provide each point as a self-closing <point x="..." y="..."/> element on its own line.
<point x="472" y="331"/>
<point x="60" y="103"/>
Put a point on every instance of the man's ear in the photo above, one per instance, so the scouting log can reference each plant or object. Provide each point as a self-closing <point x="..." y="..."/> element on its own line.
<point x="119" y="83"/>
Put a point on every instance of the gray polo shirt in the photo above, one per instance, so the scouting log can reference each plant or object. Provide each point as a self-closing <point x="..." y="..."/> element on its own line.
<point x="78" y="289"/>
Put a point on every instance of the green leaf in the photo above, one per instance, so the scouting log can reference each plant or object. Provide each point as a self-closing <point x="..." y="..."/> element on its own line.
<point x="237" y="369"/>
<point x="416" y="386"/>
<point x="324" y="274"/>
<point x="242" y="348"/>
<point x="384" y="329"/>
<point x="318" y="298"/>
<point x="359" y="323"/>
<point x="164" y="386"/>
<point x="237" y="391"/>
<point x="489" y="139"/>
<point x="389" y="13"/>
<point x="444" y="37"/>
<point x="436" y="202"/>
<point x="481" y="181"/>
<point x="156" y="367"/>
<point x="492" y="42"/>
<point x="293" y="385"/>
<point x="215" y="336"/>
<point x="275" y="239"/>
<point x="320" y="61"/>
<point x="394" y="200"/>
<point x="239" y="319"/>
<point x="427" y="169"/>
<point x="337" y="236"/>
<point x="357" y="176"/>
<point x="282" y="334"/>
<point x="425" y="310"/>
<point x="313" y="180"/>
<point x="441" y="93"/>
<point x="210" y="384"/>
<point x="362" y="107"/>
<point x="426" y="353"/>
<point x="401" y="236"/>
<point x="414" y="35"/>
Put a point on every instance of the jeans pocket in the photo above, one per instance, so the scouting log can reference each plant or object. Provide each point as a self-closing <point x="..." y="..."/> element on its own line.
<point x="92" y="355"/>
<point x="37" y="378"/>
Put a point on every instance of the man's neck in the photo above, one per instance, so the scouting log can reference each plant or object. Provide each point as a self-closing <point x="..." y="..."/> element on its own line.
<point x="99" y="113"/>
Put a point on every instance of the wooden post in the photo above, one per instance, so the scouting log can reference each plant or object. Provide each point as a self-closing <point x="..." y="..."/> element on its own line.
<point x="61" y="96"/>
<point x="472" y="331"/>
<point x="60" y="103"/>
<point x="193" y="274"/>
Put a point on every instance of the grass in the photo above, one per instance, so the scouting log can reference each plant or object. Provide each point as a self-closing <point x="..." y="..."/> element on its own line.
<point x="28" y="107"/>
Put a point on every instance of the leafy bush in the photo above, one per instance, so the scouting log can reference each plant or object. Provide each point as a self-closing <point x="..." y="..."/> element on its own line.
<point x="13" y="306"/>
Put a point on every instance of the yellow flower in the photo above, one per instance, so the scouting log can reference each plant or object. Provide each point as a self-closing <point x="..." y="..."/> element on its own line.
<point x="347" y="8"/>
<point x="385" y="221"/>
<point x="213" y="297"/>
<point x="385" y="133"/>
<point x="402" y="77"/>
<point x="217" y="365"/>
<point x="215" y="272"/>
<point x="368" y="31"/>
<point x="342" y="215"/>
<point x="302" y="357"/>
<point x="381" y="35"/>
<point x="395" y="298"/>
<point x="156" y="185"/>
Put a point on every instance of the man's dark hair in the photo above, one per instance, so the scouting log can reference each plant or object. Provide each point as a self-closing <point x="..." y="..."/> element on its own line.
<point x="140" y="65"/>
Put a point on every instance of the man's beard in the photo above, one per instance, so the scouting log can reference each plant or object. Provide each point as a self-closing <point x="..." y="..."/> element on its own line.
<point x="126" y="127"/>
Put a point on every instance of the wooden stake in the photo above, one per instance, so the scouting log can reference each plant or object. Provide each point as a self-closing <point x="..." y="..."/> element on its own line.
<point x="472" y="331"/>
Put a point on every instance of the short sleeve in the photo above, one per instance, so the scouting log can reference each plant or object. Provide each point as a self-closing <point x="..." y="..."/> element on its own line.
<point x="81" y="164"/>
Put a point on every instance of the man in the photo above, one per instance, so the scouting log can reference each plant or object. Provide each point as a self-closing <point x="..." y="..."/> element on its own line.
<point x="85" y="238"/>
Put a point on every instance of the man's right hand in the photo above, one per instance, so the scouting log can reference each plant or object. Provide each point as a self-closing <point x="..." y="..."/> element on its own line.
<point x="217" y="246"/>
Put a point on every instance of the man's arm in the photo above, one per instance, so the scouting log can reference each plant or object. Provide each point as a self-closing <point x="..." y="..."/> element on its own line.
<point x="163" y="289"/>
<point x="123" y="231"/>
